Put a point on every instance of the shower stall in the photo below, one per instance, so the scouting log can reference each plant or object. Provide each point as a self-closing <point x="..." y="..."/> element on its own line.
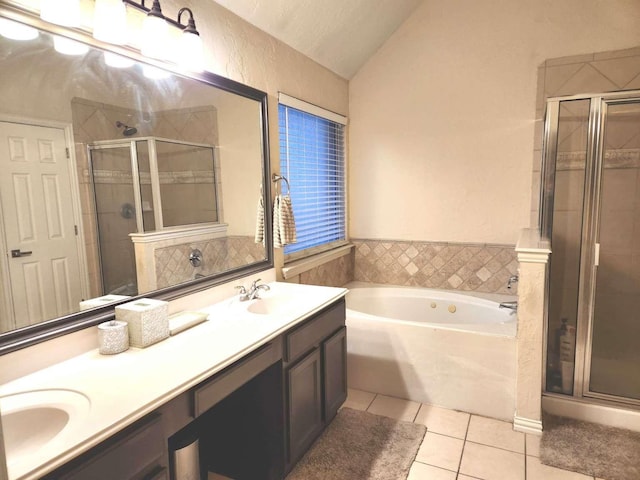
<point x="591" y="212"/>
<point x="146" y="184"/>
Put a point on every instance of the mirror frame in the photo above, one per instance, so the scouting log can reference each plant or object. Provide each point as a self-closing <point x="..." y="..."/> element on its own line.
<point x="50" y="329"/>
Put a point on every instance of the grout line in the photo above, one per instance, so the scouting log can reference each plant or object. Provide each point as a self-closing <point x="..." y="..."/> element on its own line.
<point x="464" y="443"/>
<point x="493" y="446"/>
<point x="375" y="395"/>
<point x="416" y="415"/>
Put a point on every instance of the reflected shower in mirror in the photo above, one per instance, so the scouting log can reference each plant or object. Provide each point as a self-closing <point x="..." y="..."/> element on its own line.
<point x="113" y="176"/>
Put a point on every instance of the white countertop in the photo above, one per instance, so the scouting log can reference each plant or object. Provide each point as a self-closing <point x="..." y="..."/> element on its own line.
<point x="125" y="387"/>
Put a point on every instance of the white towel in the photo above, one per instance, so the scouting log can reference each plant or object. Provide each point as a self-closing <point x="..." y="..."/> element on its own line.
<point x="259" y="238"/>
<point x="284" y="225"/>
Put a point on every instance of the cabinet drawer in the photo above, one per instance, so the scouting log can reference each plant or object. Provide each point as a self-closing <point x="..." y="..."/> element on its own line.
<point x="233" y="377"/>
<point x="313" y="331"/>
<point x="139" y="449"/>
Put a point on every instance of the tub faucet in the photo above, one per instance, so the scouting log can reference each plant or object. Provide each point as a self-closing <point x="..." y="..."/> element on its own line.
<point x="253" y="292"/>
<point x="512" y="279"/>
<point x="510" y="305"/>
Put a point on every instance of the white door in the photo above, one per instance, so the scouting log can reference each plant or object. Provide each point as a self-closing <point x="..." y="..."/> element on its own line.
<point x="37" y="209"/>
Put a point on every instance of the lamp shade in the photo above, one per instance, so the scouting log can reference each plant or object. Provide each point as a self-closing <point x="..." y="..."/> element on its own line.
<point x="117" y="61"/>
<point x="155" y="37"/>
<point x="61" y="12"/>
<point x="191" y="52"/>
<point x="110" y="21"/>
<point x="69" y="47"/>
<point x="16" y="31"/>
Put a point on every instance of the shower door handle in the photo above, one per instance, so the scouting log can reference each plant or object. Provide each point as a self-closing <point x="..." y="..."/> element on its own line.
<point x="17" y="253"/>
<point x="596" y="260"/>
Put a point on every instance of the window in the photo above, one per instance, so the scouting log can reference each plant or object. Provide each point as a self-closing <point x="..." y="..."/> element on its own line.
<point x="312" y="159"/>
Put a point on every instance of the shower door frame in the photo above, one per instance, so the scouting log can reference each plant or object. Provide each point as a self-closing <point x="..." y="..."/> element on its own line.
<point x="590" y="230"/>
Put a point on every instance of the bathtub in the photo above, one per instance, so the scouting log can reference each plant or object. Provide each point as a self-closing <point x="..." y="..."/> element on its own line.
<point x="433" y="346"/>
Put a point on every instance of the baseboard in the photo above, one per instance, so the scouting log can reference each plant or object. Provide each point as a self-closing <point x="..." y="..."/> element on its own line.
<point x="527" y="425"/>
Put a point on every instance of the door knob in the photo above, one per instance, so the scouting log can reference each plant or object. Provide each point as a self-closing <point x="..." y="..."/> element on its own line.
<point x="17" y="253"/>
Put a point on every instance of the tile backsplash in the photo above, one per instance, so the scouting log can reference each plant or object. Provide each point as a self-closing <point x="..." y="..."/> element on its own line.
<point x="453" y="266"/>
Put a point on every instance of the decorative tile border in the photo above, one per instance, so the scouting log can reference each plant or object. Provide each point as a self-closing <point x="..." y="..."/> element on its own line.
<point x="335" y="273"/>
<point x="453" y="266"/>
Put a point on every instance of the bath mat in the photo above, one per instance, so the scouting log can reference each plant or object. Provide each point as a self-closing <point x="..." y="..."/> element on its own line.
<point x="360" y="445"/>
<point x="589" y="448"/>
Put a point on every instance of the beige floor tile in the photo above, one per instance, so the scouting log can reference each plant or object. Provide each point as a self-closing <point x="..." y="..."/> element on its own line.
<point x="440" y="451"/>
<point x="533" y="444"/>
<point x="397" y="408"/>
<point x="420" y="471"/>
<point x="467" y="477"/>
<point x="443" y="421"/>
<point x="491" y="463"/>
<point x="358" y="400"/>
<point x="538" y="471"/>
<point x="495" y="433"/>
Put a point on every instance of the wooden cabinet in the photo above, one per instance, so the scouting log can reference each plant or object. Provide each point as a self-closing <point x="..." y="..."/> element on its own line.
<point x="315" y="377"/>
<point x="334" y="354"/>
<point x="254" y="419"/>
<point x="136" y="453"/>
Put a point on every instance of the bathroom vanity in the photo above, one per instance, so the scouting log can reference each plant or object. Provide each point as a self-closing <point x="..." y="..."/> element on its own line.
<point x="255" y="386"/>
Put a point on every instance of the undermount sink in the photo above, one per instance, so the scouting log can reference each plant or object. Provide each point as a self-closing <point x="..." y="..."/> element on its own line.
<point x="30" y="420"/>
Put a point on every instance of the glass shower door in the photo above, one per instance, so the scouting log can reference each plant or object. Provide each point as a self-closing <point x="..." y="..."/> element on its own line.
<point x="615" y="331"/>
<point x="116" y="217"/>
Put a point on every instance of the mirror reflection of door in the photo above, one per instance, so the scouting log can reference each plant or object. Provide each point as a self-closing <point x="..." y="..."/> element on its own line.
<point x="41" y="239"/>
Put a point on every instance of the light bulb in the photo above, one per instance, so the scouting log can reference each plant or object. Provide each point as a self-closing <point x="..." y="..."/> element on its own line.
<point x="117" y="61"/>
<point x="191" y="52"/>
<point x="154" y="73"/>
<point x="61" y="12"/>
<point x="155" y="37"/>
<point x="16" y="31"/>
<point x="67" y="46"/>
<point x="110" y="21"/>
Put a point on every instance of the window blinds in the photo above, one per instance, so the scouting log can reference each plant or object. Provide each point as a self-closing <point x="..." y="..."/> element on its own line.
<point x="312" y="158"/>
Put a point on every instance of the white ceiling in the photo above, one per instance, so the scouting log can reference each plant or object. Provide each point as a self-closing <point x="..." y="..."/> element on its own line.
<point x="338" y="34"/>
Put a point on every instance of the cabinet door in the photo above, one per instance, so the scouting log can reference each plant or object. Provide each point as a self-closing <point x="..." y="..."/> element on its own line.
<point x="334" y="351"/>
<point x="304" y="404"/>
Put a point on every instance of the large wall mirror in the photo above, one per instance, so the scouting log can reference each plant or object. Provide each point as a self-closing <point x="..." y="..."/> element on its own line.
<point x="119" y="179"/>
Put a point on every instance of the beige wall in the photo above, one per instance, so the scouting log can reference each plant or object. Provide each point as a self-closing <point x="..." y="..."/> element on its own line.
<point x="442" y="117"/>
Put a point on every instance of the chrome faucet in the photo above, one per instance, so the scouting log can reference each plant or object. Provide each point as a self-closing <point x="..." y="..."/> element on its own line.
<point x="510" y="305"/>
<point x="253" y="292"/>
<point x="512" y="279"/>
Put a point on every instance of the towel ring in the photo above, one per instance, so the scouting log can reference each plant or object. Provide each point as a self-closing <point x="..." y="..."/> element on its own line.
<point x="275" y="178"/>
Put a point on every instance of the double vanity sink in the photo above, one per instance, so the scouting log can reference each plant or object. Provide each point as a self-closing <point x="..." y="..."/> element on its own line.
<point x="53" y="415"/>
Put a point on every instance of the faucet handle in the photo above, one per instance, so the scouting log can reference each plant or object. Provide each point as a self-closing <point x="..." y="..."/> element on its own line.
<point x="255" y="283"/>
<point x="241" y="289"/>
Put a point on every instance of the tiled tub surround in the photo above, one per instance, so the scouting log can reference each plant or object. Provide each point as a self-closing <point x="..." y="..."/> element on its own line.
<point x="335" y="273"/>
<point x="452" y="266"/>
<point x="218" y="255"/>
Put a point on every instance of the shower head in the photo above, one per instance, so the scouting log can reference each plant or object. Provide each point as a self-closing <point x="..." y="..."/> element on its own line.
<point x="128" y="131"/>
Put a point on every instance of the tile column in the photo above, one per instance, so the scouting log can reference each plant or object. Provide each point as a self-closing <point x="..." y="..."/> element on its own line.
<point x="533" y="257"/>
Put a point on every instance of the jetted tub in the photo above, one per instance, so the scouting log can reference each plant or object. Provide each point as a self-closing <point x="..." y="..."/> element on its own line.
<point x="433" y="346"/>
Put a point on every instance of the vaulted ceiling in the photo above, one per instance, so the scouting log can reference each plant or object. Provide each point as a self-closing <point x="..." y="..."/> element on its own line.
<point x="338" y="34"/>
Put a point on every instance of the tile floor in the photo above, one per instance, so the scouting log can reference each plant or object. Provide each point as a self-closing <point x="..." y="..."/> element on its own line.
<point x="462" y="446"/>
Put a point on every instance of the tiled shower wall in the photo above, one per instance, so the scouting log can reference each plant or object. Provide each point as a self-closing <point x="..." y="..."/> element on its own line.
<point x="93" y="121"/>
<point x="453" y="266"/>
<point x="589" y="73"/>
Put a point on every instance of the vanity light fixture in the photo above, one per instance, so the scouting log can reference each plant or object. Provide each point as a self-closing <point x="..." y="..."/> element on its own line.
<point x="154" y="73"/>
<point x="110" y="21"/>
<point x="191" y="50"/>
<point x="61" y="12"/>
<point x="155" y="34"/>
<point x="17" y="31"/>
<point x="117" y="61"/>
<point x="67" y="46"/>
